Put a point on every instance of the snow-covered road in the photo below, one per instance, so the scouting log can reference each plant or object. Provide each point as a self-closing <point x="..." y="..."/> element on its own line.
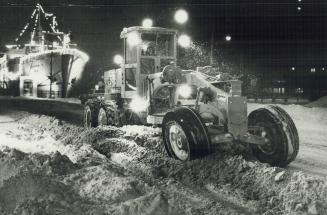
<point x="125" y="171"/>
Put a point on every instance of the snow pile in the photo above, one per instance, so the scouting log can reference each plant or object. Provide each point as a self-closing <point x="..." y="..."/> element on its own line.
<point x="108" y="170"/>
<point x="257" y="186"/>
<point x="304" y="193"/>
<point x="28" y="185"/>
<point x="144" y="135"/>
<point x="29" y="139"/>
<point x="106" y="183"/>
<point x="253" y="185"/>
<point x="155" y="203"/>
<point x="321" y="102"/>
<point x="61" y="173"/>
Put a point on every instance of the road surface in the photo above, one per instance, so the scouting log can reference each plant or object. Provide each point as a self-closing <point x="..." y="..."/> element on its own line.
<point x="111" y="171"/>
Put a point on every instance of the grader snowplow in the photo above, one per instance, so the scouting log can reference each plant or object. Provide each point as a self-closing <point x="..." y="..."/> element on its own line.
<point x="193" y="112"/>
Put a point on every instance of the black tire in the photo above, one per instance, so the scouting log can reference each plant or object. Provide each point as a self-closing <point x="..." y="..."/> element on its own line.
<point x="90" y="115"/>
<point x="192" y="134"/>
<point x="280" y="130"/>
<point x="106" y="115"/>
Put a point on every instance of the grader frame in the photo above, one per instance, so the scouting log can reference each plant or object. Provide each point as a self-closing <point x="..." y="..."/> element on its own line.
<point x="194" y="114"/>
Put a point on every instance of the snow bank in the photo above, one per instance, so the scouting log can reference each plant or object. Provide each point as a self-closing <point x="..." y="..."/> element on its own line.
<point x="48" y="166"/>
<point x="125" y="171"/>
<point x="321" y="102"/>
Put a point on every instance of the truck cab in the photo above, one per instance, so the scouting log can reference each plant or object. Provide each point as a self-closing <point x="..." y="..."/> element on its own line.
<point x="146" y="51"/>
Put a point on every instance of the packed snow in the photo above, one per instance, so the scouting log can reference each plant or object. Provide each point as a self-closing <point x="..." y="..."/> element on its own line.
<point x="48" y="166"/>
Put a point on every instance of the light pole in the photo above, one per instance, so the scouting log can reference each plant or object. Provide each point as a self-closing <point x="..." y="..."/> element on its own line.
<point x="212" y="43"/>
<point x="51" y="75"/>
<point x="228" y="38"/>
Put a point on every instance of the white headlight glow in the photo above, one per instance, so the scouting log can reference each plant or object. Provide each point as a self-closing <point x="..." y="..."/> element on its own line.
<point x="139" y="104"/>
<point x="184" y="91"/>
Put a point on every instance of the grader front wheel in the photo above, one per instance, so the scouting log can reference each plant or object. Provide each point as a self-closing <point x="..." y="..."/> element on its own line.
<point x="185" y="136"/>
<point x="278" y="128"/>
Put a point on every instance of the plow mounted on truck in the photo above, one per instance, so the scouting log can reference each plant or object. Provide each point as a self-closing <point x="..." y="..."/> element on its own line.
<point x="195" y="114"/>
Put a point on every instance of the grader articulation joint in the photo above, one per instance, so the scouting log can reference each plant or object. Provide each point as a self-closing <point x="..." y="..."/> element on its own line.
<point x="193" y="112"/>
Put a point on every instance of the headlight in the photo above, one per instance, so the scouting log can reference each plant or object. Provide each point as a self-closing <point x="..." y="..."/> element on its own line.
<point x="184" y="91"/>
<point x="138" y="104"/>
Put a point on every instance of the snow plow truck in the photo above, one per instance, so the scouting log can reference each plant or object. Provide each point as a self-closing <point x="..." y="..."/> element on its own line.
<point x="195" y="114"/>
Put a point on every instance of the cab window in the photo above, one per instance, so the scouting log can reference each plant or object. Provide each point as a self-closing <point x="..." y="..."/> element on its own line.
<point x="130" y="53"/>
<point x="157" y="44"/>
<point x="130" y="79"/>
<point x="147" y="66"/>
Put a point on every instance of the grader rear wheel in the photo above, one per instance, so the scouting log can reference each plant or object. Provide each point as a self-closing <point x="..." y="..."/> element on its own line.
<point x="90" y="116"/>
<point x="106" y="115"/>
<point x="102" y="117"/>
<point x="278" y="128"/>
<point x="185" y="136"/>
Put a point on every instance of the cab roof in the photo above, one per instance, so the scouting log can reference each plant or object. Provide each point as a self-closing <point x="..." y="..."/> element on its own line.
<point x="141" y="29"/>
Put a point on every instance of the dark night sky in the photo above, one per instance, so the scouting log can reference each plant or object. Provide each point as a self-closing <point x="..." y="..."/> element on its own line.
<point x="269" y="34"/>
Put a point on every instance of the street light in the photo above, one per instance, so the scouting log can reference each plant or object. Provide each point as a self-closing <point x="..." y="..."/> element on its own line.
<point x="147" y="23"/>
<point x="181" y="16"/>
<point x="184" y="41"/>
<point x="118" y="59"/>
<point x="228" y="38"/>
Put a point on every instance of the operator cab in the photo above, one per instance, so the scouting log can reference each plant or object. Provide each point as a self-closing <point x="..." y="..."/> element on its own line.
<point x="146" y="51"/>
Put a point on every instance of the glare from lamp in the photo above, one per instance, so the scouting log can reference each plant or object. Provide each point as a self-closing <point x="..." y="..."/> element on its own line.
<point x="133" y="39"/>
<point x="147" y="23"/>
<point x="138" y="104"/>
<point x="184" y="41"/>
<point x="118" y="59"/>
<point x="144" y="47"/>
<point x="181" y="16"/>
<point x="184" y="91"/>
<point x="228" y="38"/>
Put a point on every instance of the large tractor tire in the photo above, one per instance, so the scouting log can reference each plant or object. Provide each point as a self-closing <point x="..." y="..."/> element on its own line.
<point x="279" y="129"/>
<point x="185" y="135"/>
<point x="106" y="115"/>
<point x="90" y="115"/>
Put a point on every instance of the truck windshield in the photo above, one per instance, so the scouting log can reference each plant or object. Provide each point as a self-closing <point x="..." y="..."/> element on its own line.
<point x="155" y="44"/>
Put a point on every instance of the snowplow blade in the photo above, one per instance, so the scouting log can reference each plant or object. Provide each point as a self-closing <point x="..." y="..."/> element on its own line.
<point x="62" y="109"/>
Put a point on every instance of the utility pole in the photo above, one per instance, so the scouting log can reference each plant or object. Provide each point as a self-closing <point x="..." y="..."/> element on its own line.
<point x="212" y="43"/>
<point x="51" y="54"/>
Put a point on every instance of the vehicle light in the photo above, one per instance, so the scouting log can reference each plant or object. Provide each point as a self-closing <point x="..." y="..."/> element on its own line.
<point x="118" y="59"/>
<point x="138" y="104"/>
<point x="184" y="41"/>
<point x="184" y="91"/>
<point x="147" y="23"/>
